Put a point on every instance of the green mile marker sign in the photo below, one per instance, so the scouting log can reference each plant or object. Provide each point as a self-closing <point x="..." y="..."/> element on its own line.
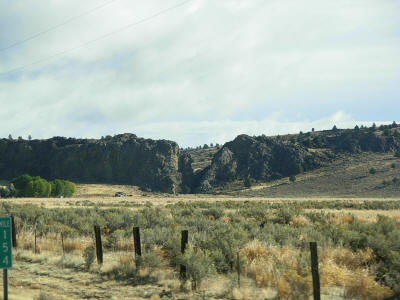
<point x="5" y="243"/>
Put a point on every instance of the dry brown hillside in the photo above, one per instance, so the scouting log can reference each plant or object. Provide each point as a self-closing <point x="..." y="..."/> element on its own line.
<point x="358" y="175"/>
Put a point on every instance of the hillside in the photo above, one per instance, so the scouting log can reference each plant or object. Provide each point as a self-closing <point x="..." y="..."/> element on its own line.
<point x="122" y="159"/>
<point x="347" y="176"/>
<point x="271" y="160"/>
<point x="202" y="157"/>
<point x="265" y="159"/>
<point x="160" y="166"/>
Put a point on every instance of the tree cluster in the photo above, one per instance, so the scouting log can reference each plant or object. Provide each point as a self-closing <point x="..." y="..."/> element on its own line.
<point x="35" y="186"/>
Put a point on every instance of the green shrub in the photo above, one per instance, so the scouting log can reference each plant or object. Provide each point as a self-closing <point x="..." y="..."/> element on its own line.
<point x="44" y="296"/>
<point x="9" y="191"/>
<point x="226" y="239"/>
<point x="215" y="212"/>
<point x="199" y="265"/>
<point x="112" y="239"/>
<point x="292" y="178"/>
<point x="286" y="213"/>
<point x="89" y="256"/>
<point x="247" y="182"/>
<point x="150" y="259"/>
<point x="372" y="171"/>
<point x="185" y="189"/>
<point x="397" y="153"/>
<point x="230" y="176"/>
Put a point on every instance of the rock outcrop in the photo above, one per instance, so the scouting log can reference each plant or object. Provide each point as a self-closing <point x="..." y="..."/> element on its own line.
<point x="260" y="158"/>
<point x="122" y="159"/>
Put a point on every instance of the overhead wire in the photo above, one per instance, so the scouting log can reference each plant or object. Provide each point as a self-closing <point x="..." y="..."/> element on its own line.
<point x="54" y="27"/>
<point x="101" y="37"/>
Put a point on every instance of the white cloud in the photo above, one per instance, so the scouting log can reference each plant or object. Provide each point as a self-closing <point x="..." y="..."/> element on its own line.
<point x="206" y="71"/>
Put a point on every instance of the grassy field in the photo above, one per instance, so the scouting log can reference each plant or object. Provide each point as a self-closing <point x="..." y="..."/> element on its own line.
<point x="274" y="257"/>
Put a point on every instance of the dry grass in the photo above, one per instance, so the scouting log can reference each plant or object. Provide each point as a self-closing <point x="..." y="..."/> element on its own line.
<point x="346" y="176"/>
<point x="96" y="190"/>
<point x="346" y="257"/>
<point x="123" y="245"/>
<point x="73" y="246"/>
<point x="52" y="243"/>
<point x="281" y="268"/>
<point x="358" y="283"/>
<point x="126" y="260"/>
<point x="298" y="221"/>
<point x="277" y="267"/>
<point x="347" y="216"/>
<point x="340" y="218"/>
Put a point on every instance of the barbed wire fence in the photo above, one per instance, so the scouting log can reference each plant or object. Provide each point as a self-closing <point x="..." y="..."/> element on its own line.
<point x="326" y="289"/>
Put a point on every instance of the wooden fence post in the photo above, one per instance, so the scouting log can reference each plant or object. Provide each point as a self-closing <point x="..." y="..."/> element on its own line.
<point x="99" y="248"/>
<point x="137" y="245"/>
<point x="184" y="241"/>
<point x="35" y="240"/>
<point x="238" y="267"/>
<point x="14" y="233"/>
<point x="314" y="270"/>
<point x="62" y="243"/>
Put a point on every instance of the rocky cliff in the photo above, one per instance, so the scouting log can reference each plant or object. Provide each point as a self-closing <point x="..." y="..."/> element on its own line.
<point x="260" y="158"/>
<point x="266" y="158"/>
<point x="122" y="159"/>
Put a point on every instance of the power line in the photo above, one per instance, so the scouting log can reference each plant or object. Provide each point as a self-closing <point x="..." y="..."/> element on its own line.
<point x="40" y="33"/>
<point x="101" y="37"/>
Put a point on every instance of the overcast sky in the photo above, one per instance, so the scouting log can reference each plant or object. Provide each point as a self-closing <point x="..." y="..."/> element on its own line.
<point x="201" y="72"/>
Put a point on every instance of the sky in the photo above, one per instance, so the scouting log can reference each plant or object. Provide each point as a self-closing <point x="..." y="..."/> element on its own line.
<point x="196" y="71"/>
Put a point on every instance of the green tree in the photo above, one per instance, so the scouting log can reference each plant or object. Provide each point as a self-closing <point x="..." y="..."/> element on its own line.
<point x="247" y="182"/>
<point x="386" y="132"/>
<point x="23" y="185"/>
<point x="63" y="188"/>
<point x="70" y="188"/>
<point x="230" y="176"/>
<point x="57" y="187"/>
<point x="185" y="189"/>
<point x="28" y="186"/>
<point x="41" y="187"/>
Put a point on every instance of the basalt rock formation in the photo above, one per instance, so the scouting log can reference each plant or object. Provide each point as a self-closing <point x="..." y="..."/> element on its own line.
<point x="122" y="159"/>
<point x="158" y="165"/>
<point x="260" y="158"/>
<point x="265" y="158"/>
